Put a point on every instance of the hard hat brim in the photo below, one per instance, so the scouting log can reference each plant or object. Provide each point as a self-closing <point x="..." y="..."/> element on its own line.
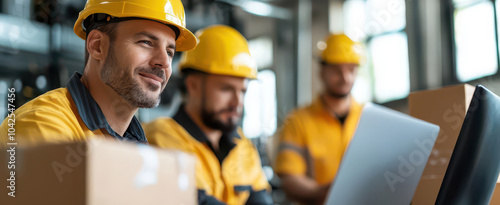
<point x="185" y="41"/>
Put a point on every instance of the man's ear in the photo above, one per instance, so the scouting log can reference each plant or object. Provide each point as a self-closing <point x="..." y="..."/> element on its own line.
<point x="97" y="43"/>
<point x="193" y="84"/>
<point x="321" y="71"/>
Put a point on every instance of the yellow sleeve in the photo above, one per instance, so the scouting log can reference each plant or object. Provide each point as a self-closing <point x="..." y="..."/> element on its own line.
<point x="291" y="148"/>
<point x="37" y="126"/>
<point x="164" y="134"/>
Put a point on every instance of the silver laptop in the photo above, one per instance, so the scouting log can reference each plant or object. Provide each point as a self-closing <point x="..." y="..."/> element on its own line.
<point x="385" y="159"/>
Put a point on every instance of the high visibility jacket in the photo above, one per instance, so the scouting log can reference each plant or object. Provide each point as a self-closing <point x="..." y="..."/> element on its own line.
<point x="62" y="115"/>
<point x="312" y="141"/>
<point x="232" y="175"/>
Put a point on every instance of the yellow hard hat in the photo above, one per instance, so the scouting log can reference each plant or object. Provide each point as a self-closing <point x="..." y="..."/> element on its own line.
<point x="222" y="50"/>
<point x="169" y="12"/>
<point x="341" y="49"/>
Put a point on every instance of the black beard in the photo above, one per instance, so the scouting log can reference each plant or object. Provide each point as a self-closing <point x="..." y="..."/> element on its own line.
<point x="210" y="120"/>
<point x="337" y="95"/>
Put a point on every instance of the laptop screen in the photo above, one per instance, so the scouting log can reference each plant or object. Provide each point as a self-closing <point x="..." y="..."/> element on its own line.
<point x="475" y="163"/>
<point x="385" y="159"/>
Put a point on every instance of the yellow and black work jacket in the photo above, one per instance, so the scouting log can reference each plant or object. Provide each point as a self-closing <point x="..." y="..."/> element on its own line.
<point x="312" y="141"/>
<point x="63" y="115"/>
<point x="232" y="175"/>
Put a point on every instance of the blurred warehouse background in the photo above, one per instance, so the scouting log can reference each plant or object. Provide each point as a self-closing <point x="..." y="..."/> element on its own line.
<point x="410" y="45"/>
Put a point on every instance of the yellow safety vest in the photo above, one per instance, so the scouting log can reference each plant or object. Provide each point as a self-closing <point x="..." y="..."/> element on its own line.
<point x="312" y="142"/>
<point x="63" y="115"/>
<point x="233" y="176"/>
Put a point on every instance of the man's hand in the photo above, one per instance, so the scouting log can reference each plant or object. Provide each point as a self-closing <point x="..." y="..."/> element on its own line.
<point x="304" y="189"/>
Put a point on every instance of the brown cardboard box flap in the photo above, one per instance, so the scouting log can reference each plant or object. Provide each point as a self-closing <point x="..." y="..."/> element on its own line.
<point x="447" y="108"/>
<point x="99" y="172"/>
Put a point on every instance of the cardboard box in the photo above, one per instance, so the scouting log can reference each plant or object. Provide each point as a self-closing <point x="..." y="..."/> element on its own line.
<point x="447" y="108"/>
<point x="99" y="172"/>
<point x="495" y="199"/>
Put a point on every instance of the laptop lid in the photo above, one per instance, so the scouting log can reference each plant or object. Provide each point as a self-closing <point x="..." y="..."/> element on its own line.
<point x="385" y="159"/>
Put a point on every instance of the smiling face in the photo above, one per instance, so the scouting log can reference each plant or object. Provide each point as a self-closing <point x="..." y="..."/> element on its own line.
<point x="138" y="63"/>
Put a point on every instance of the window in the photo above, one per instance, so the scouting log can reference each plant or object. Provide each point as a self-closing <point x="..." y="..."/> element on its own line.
<point x="475" y="41"/>
<point x="379" y="24"/>
<point x="390" y="66"/>
<point x="260" y="110"/>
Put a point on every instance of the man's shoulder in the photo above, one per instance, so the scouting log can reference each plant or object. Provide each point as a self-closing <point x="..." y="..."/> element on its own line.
<point x="165" y="132"/>
<point x="305" y="110"/>
<point x="303" y="113"/>
<point x="245" y="143"/>
<point x="49" y="117"/>
<point x="161" y="124"/>
<point x="54" y="101"/>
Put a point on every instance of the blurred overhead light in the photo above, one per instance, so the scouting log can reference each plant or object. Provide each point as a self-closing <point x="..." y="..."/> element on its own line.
<point x="261" y="9"/>
<point x="257" y="8"/>
<point x="41" y="82"/>
<point x="18" y="85"/>
<point x="321" y="45"/>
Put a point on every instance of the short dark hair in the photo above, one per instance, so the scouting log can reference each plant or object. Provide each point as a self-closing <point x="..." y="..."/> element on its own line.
<point x="110" y="30"/>
<point x="184" y="74"/>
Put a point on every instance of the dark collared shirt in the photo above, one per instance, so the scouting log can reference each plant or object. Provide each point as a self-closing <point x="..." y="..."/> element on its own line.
<point x="92" y="116"/>
<point x="226" y="143"/>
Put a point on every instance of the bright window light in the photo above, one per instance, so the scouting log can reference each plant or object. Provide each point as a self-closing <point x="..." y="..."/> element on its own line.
<point x="385" y="16"/>
<point x="476" y="52"/>
<point x="354" y="19"/>
<point x="262" y="49"/>
<point x="389" y="55"/>
<point x="362" y="89"/>
<point x="466" y="2"/>
<point x="260" y="106"/>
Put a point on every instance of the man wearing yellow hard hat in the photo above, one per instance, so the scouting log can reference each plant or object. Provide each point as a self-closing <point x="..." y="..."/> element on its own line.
<point x="314" y="138"/>
<point x="216" y="75"/>
<point x="129" y="46"/>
